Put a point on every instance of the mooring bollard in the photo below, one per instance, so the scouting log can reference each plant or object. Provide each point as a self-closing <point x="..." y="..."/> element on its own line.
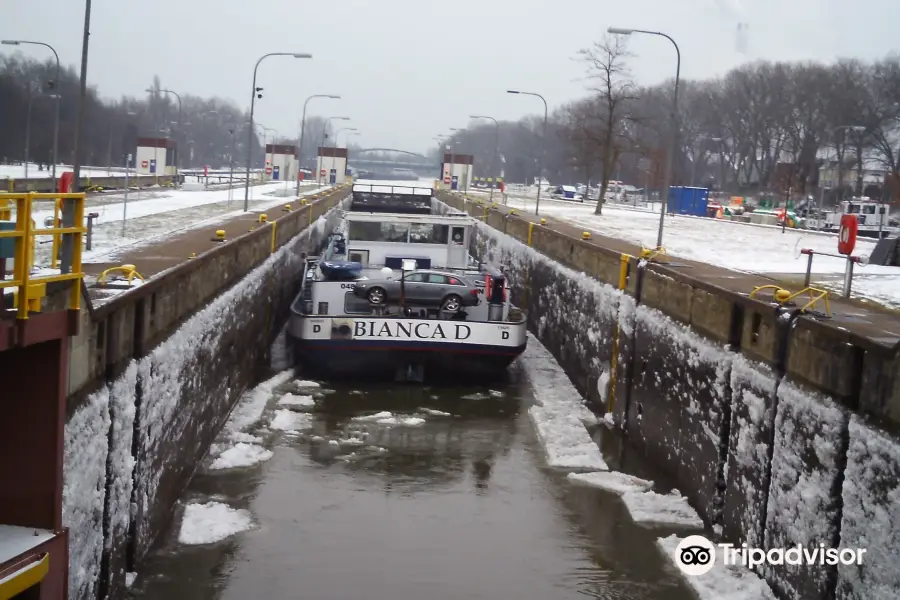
<point x="220" y="236"/>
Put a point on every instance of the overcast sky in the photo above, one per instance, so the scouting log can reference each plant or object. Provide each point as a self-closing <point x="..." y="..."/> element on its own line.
<point x="409" y="70"/>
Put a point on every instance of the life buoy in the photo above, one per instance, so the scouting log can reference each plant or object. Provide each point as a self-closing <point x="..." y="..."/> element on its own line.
<point x="487" y="287"/>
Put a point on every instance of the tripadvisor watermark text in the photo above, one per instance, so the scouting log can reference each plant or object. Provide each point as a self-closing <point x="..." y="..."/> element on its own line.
<point x="696" y="555"/>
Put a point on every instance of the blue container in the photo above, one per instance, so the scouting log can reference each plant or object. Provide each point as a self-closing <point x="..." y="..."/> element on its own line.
<point x="688" y="201"/>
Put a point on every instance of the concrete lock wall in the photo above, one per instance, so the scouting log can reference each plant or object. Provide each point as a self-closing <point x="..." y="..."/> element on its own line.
<point x="153" y="376"/>
<point x="779" y="429"/>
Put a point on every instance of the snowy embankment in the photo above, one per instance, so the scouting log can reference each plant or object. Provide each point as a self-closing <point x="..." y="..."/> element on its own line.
<point x="739" y="246"/>
<point x="153" y="216"/>
<point x="18" y="171"/>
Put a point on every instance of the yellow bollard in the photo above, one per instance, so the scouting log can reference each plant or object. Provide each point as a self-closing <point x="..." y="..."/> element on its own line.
<point x="585" y="235"/>
<point x="303" y="202"/>
<point x="543" y="221"/>
<point x="220" y="236"/>
<point x="286" y="208"/>
<point x="263" y="218"/>
<point x="513" y="212"/>
<point x="193" y="255"/>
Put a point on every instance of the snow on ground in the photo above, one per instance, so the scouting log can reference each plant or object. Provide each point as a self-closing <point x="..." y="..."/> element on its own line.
<point x="156" y="214"/>
<point x="611" y="481"/>
<point x="212" y="522"/>
<point x="241" y="455"/>
<point x="739" y="246"/>
<point x="723" y="582"/>
<point x="560" y="416"/>
<point x="664" y="510"/>
<point x="18" y="171"/>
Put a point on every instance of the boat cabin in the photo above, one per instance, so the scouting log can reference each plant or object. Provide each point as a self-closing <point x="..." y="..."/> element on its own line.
<point x="384" y="240"/>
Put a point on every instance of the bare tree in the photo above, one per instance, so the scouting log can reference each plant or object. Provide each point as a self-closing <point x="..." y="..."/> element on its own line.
<point x="614" y="89"/>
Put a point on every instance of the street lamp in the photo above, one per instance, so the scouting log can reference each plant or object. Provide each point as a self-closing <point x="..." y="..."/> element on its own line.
<point x="328" y="120"/>
<point x="303" y="129"/>
<point x="543" y="139"/>
<point x="256" y="91"/>
<point x="664" y="196"/>
<point x="496" y="146"/>
<point x="56" y="87"/>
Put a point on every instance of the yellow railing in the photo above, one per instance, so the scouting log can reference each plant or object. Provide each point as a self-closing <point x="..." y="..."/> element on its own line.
<point x="24" y="236"/>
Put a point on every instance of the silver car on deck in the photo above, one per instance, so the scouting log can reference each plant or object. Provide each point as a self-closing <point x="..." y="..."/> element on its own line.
<point x="448" y="291"/>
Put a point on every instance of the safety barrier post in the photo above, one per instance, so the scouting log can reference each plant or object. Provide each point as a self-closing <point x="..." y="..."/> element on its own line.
<point x="23" y="224"/>
<point x="75" y="291"/>
<point x="56" y="236"/>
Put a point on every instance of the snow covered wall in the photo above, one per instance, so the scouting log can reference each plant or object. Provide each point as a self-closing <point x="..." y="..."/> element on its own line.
<point x="763" y="458"/>
<point x="132" y="445"/>
<point x="568" y="311"/>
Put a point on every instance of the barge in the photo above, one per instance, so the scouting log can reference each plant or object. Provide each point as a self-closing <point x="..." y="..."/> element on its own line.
<point x="396" y="295"/>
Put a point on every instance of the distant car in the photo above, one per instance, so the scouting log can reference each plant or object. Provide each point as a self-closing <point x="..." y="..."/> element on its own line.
<point x="448" y="291"/>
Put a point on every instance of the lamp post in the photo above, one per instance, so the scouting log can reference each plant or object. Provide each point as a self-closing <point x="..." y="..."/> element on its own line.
<point x="328" y="120"/>
<point x="256" y="91"/>
<point x="303" y="130"/>
<point x="177" y="153"/>
<point x="56" y="87"/>
<point x="496" y="147"/>
<point x="543" y="140"/>
<point x="664" y="195"/>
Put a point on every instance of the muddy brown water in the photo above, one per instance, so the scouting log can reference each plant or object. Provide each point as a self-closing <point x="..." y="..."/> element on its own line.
<point x="461" y="507"/>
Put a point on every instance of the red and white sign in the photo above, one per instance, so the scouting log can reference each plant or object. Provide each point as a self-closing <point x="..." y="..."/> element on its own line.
<point x="323" y="172"/>
<point x="206" y="170"/>
<point x="144" y="164"/>
<point x="268" y="170"/>
<point x="847" y="234"/>
<point x="300" y="176"/>
<point x="446" y="180"/>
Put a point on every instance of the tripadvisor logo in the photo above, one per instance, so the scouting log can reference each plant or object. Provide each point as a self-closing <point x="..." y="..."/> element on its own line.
<point x="696" y="555"/>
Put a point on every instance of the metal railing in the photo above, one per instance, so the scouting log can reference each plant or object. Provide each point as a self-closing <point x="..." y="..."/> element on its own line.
<point x="30" y="287"/>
